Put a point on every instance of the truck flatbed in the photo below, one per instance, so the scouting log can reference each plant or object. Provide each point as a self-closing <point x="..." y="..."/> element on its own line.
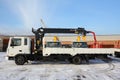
<point x="74" y="51"/>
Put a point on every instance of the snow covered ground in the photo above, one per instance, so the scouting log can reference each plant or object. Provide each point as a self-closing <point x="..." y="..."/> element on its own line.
<point x="96" y="70"/>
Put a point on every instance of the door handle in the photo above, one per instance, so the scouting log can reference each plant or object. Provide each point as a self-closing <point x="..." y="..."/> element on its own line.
<point x="20" y="50"/>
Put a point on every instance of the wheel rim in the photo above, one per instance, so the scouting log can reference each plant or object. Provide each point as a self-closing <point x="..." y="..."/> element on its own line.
<point x="76" y="60"/>
<point x="20" y="60"/>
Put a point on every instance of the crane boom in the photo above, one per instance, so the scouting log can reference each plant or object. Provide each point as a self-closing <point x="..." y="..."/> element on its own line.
<point x="60" y="30"/>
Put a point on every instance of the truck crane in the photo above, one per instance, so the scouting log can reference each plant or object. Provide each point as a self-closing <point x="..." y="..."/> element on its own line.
<point x="20" y="48"/>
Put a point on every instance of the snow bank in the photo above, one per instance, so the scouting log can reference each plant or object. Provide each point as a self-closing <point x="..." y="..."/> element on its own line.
<point x="96" y="70"/>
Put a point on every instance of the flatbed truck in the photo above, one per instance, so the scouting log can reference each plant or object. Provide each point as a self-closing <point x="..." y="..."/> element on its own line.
<point x="20" y="48"/>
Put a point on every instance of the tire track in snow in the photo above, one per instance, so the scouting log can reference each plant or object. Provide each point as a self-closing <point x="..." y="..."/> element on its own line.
<point x="111" y="65"/>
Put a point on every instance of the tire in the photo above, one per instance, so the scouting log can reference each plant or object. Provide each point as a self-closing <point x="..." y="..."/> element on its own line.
<point x="77" y="60"/>
<point x="20" y="60"/>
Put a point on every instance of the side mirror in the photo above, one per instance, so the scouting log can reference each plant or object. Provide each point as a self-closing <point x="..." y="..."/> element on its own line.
<point x="12" y="43"/>
<point x="45" y="45"/>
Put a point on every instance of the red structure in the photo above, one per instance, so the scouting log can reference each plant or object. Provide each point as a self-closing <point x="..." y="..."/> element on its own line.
<point x="105" y="44"/>
<point x="5" y="44"/>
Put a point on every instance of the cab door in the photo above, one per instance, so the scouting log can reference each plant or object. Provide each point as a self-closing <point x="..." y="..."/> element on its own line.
<point x="26" y="48"/>
<point x="15" y="46"/>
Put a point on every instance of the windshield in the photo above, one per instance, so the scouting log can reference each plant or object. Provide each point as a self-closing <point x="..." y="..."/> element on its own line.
<point x="15" y="42"/>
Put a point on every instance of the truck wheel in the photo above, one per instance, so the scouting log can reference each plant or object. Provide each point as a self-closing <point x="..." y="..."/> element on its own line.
<point x="77" y="60"/>
<point x="20" y="60"/>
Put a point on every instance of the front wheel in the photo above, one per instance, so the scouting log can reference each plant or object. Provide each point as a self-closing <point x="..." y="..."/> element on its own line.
<point x="20" y="60"/>
<point x="77" y="60"/>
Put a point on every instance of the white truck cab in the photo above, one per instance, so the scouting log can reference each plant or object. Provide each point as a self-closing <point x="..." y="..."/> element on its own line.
<point x="18" y="45"/>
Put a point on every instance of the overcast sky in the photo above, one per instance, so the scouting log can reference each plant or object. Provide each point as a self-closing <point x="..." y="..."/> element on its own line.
<point x="100" y="16"/>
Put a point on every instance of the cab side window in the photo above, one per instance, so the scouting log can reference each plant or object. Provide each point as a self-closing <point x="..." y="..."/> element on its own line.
<point x="25" y="41"/>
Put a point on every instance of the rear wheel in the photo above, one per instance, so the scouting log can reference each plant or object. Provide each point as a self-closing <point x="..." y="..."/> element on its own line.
<point x="77" y="60"/>
<point x="20" y="60"/>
